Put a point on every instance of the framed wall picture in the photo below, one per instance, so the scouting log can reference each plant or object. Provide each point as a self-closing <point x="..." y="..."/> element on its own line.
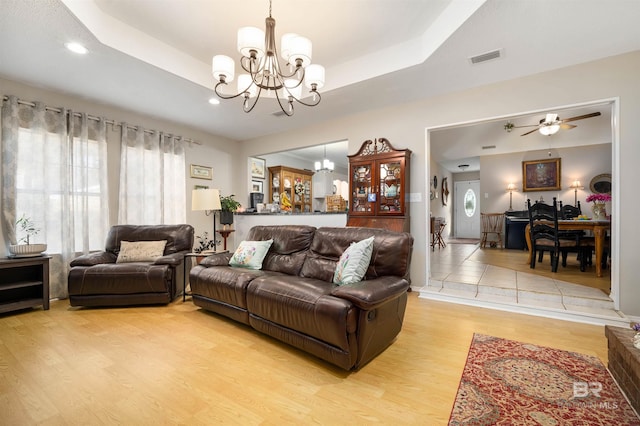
<point x="541" y="175"/>
<point x="257" y="186"/>
<point x="201" y="172"/>
<point x="257" y="167"/>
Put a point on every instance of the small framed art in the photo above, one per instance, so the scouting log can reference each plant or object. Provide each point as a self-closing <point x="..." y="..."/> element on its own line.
<point x="201" y="172"/>
<point x="257" y="167"/>
<point x="257" y="186"/>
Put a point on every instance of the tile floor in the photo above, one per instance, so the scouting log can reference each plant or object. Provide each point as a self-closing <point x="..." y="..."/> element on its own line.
<point x="456" y="278"/>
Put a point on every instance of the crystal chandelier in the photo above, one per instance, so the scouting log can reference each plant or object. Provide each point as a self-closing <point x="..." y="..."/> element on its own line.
<point x="260" y="60"/>
<point x="325" y="165"/>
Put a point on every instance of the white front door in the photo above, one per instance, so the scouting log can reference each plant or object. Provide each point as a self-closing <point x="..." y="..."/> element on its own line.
<point x="467" y="209"/>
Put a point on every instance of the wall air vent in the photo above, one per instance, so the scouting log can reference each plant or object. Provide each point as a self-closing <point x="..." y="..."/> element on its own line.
<point x="494" y="54"/>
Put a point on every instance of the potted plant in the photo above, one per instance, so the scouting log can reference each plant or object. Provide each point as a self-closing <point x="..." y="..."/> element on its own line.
<point x="27" y="228"/>
<point x="229" y="205"/>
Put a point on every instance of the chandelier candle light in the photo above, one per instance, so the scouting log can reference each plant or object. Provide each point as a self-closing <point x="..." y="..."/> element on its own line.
<point x="260" y="60"/>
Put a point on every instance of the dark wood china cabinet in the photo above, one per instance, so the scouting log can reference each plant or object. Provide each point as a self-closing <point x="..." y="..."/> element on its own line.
<point x="379" y="185"/>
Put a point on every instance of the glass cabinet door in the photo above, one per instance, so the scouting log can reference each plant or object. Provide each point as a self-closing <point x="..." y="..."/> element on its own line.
<point x="390" y="187"/>
<point x="363" y="194"/>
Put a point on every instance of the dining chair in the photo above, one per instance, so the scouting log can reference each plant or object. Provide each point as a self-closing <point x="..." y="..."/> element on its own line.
<point x="543" y="228"/>
<point x="491" y="224"/>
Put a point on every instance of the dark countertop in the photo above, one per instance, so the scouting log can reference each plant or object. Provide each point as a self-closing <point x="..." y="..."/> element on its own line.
<point x="286" y="213"/>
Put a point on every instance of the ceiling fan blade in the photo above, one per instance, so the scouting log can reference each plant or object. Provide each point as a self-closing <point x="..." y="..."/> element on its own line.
<point x="564" y="126"/>
<point x="530" y="125"/>
<point x="529" y="132"/>
<point x="581" y="117"/>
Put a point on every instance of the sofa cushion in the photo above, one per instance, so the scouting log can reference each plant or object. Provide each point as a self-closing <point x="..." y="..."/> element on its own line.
<point x="140" y="251"/>
<point x="289" y="248"/>
<point x="223" y="283"/>
<point x="354" y="262"/>
<point x="119" y="279"/>
<point x="304" y="305"/>
<point x="250" y="254"/>
<point x="179" y="237"/>
<point x="391" y="252"/>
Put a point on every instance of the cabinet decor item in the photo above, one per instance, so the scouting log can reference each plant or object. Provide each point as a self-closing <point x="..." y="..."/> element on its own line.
<point x="379" y="186"/>
<point x="24" y="283"/>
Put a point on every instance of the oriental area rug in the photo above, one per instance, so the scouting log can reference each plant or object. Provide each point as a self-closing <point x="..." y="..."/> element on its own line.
<point x="512" y="383"/>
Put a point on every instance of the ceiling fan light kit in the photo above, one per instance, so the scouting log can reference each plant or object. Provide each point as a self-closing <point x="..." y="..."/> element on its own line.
<point x="260" y="60"/>
<point x="551" y="124"/>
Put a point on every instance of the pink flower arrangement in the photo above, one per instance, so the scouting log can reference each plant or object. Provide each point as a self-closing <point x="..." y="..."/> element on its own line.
<point x="598" y="198"/>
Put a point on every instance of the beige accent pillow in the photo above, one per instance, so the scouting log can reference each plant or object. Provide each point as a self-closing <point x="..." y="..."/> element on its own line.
<point x="140" y="251"/>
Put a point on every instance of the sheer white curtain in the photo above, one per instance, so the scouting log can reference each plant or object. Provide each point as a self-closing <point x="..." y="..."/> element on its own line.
<point x="152" y="178"/>
<point x="54" y="170"/>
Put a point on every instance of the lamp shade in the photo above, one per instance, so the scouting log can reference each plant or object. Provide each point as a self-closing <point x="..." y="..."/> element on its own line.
<point x="251" y="38"/>
<point x="245" y="84"/>
<point x="298" y="47"/>
<point x="314" y="74"/>
<point x="205" y="199"/>
<point x="223" y="65"/>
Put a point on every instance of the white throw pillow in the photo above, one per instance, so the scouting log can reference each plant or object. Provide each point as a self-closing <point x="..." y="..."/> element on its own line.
<point x="140" y="251"/>
<point x="354" y="262"/>
<point x="250" y="254"/>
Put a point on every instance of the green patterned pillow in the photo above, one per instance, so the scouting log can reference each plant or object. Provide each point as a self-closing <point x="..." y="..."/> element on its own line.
<point x="354" y="262"/>
<point x="250" y="254"/>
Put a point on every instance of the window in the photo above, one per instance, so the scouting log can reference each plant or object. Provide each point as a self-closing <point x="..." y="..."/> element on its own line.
<point x="469" y="203"/>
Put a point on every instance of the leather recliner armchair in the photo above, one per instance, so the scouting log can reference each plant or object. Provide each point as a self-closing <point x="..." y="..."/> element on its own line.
<point x="95" y="279"/>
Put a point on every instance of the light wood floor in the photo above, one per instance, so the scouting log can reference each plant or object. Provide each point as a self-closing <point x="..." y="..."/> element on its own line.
<point x="518" y="260"/>
<point x="177" y="364"/>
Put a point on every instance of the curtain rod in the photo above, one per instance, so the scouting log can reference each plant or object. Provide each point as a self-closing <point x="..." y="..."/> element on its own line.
<point x="91" y="117"/>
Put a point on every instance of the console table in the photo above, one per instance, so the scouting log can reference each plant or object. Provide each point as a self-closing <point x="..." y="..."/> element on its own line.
<point x="624" y="362"/>
<point x="24" y="283"/>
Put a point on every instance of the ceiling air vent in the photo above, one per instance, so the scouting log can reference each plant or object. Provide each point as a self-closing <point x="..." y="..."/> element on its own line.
<point x="494" y="54"/>
<point x="488" y="147"/>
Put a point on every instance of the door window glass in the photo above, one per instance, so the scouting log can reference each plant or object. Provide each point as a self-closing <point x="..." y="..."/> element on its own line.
<point x="470" y="203"/>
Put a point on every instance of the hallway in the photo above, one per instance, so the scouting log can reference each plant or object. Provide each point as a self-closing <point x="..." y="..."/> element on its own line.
<point x="502" y="279"/>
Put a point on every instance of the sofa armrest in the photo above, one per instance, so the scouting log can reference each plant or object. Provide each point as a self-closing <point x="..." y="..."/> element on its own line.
<point x="370" y="294"/>
<point x="216" y="259"/>
<point x="173" y="259"/>
<point x="95" y="258"/>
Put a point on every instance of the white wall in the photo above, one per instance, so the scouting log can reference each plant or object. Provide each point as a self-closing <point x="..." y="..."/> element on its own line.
<point x="581" y="163"/>
<point x="216" y="152"/>
<point x="405" y="127"/>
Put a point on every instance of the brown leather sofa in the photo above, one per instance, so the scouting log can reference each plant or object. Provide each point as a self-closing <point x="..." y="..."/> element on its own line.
<point x="292" y="298"/>
<point x="95" y="279"/>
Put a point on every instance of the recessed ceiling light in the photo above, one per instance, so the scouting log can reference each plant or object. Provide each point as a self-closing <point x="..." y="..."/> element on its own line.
<point x="76" y="48"/>
<point x="214" y="101"/>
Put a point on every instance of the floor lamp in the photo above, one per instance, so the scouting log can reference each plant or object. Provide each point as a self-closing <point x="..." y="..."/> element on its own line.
<point x="209" y="201"/>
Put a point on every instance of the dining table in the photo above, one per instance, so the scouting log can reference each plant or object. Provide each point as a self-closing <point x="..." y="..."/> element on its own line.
<point x="598" y="227"/>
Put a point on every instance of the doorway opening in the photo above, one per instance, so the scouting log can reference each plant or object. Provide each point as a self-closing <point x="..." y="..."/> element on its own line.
<point x="482" y="146"/>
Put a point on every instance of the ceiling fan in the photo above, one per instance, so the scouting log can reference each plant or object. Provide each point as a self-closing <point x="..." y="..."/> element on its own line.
<point x="552" y="123"/>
